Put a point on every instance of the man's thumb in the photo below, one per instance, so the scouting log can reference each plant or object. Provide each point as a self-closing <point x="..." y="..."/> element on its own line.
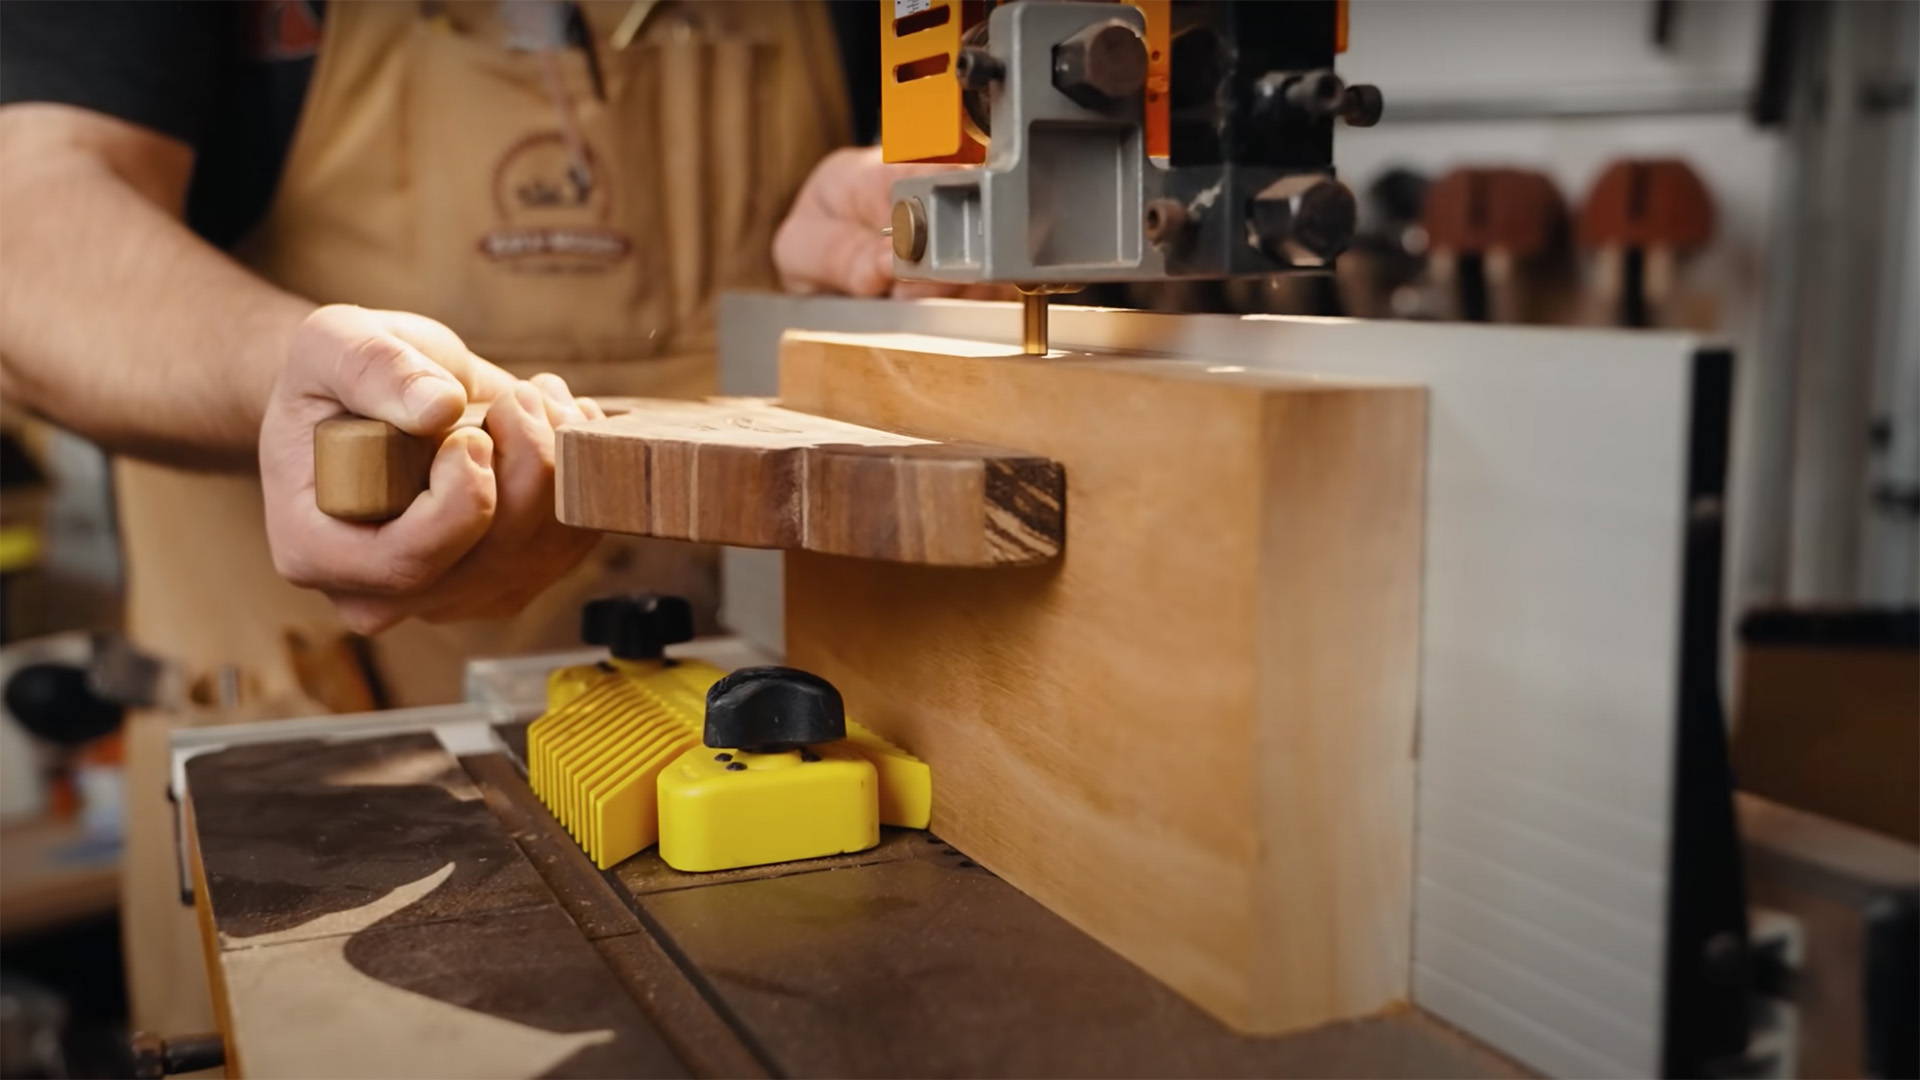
<point x="387" y="379"/>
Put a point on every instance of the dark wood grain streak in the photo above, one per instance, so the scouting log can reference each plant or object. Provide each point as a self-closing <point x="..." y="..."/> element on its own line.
<point x="1026" y="505"/>
<point x="301" y="850"/>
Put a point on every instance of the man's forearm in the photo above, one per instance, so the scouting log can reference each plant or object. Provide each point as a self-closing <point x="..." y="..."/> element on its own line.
<point x="117" y="321"/>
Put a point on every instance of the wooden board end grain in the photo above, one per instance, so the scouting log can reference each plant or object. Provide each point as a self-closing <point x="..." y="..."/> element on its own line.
<point x="1192" y="735"/>
<point x="747" y="472"/>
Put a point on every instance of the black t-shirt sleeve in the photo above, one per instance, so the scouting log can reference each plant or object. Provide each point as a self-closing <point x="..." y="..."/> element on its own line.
<point x="156" y="63"/>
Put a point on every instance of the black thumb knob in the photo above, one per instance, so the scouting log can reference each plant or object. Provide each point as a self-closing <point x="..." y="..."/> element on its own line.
<point x="636" y="627"/>
<point x="58" y="703"/>
<point x="773" y="708"/>
<point x="1362" y="105"/>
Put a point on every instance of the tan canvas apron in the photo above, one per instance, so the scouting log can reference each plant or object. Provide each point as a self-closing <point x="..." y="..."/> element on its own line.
<point x="430" y="173"/>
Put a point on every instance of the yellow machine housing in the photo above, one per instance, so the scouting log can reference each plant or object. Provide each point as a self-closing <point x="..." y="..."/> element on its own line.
<point x="599" y="758"/>
<point x="920" y="112"/>
<point x="921" y="115"/>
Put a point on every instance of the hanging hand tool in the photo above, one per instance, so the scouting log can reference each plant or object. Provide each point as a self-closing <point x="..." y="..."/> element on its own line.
<point x="1497" y="245"/>
<point x="1641" y="220"/>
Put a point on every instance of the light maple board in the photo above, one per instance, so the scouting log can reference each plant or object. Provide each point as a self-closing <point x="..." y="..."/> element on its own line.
<point x="744" y="471"/>
<point x="1550" y="657"/>
<point x="1192" y="735"/>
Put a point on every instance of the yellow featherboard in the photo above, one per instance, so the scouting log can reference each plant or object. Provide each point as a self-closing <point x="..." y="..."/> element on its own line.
<point x="722" y="809"/>
<point x="595" y="758"/>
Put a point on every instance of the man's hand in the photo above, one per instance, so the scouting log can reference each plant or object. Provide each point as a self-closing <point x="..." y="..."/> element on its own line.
<point x="482" y="540"/>
<point x="831" y="239"/>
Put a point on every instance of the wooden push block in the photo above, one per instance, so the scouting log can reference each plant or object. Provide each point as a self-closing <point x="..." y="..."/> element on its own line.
<point x="745" y="471"/>
<point x="1193" y="734"/>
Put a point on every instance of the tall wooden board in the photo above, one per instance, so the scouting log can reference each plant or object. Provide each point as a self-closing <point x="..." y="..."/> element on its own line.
<point x="1193" y="734"/>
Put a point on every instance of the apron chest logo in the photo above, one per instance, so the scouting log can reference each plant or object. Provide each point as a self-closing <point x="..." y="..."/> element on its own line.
<point x="552" y="209"/>
<point x="603" y="245"/>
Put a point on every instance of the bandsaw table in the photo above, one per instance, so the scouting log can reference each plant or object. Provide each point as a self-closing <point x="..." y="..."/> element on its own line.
<point x="384" y="896"/>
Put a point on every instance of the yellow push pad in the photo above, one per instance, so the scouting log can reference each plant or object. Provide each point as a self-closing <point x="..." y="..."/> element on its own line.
<point x="725" y="808"/>
<point x="600" y="756"/>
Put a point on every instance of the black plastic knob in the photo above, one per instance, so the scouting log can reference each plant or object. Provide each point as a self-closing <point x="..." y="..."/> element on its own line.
<point x="1362" y="104"/>
<point x="58" y="703"/>
<point x="636" y="627"/>
<point x="1399" y="196"/>
<point x="764" y="709"/>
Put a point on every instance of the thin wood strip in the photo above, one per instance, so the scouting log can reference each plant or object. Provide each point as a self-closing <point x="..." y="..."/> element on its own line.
<point x="746" y="472"/>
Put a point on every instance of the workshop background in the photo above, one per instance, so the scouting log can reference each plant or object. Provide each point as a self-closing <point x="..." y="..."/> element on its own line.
<point x="1786" y="132"/>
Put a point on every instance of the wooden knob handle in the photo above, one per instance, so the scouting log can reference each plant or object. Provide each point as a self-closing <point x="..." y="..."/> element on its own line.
<point x="368" y="470"/>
